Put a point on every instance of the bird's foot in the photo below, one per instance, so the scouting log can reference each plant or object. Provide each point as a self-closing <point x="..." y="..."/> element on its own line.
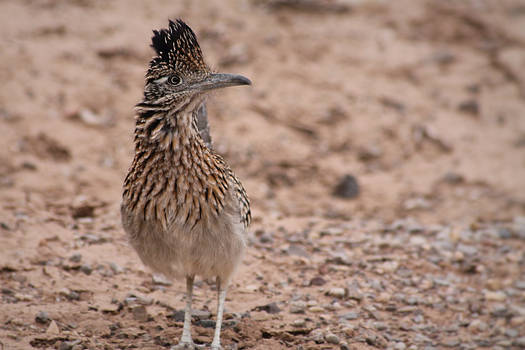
<point x="187" y="346"/>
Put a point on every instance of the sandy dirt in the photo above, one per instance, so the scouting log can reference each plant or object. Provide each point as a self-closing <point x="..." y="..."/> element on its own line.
<point x="422" y="102"/>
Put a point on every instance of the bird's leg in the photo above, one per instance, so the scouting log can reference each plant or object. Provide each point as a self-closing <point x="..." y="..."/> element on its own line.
<point x="221" y="296"/>
<point x="185" y="341"/>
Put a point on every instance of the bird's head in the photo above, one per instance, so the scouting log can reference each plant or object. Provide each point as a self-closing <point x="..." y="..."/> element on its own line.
<point x="178" y="75"/>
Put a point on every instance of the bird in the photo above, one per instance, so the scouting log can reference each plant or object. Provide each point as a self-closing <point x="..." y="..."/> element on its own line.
<point x="184" y="210"/>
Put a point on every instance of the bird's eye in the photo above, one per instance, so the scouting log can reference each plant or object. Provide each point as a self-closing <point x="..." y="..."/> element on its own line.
<point x="174" y="80"/>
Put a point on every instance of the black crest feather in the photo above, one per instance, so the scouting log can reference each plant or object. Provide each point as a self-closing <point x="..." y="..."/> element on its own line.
<point x="177" y="46"/>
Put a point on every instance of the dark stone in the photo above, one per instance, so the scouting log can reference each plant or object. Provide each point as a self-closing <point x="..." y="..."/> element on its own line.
<point x="178" y="316"/>
<point x="42" y="317"/>
<point x="86" y="268"/>
<point x="75" y="258"/>
<point x="469" y="106"/>
<point x="347" y="187"/>
<point x="298" y="250"/>
<point x="317" y="281"/>
<point x="270" y="308"/>
<point x="207" y="323"/>
<point x="453" y="178"/>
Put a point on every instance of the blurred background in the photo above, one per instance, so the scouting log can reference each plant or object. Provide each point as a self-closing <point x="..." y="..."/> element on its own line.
<point x="364" y="116"/>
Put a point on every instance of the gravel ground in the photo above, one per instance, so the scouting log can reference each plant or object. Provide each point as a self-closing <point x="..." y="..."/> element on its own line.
<point x="382" y="146"/>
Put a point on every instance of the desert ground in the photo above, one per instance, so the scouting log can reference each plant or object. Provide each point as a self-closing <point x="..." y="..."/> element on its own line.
<point x="382" y="145"/>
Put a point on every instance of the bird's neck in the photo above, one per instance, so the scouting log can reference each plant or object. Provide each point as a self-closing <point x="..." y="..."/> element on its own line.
<point x="165" y="129"/>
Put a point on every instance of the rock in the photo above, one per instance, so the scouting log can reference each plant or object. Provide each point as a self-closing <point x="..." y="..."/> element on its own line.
<point x="297" y="250"/>
<point x="316" y="309"/>
<point x="477" y="326"/>
<point x="201" y="314"/>
<point x="338" y="292"/>
<point x="400" y="346"/>
<point x="451" y="343"/>
<point x="317" y="281"/>
<point x="266" y="238"/>
<point x="453" y="178"/>
<point x="469" y="106"/>
<point x="111" y="308"/>
<point x="297" y="307"/>
<point x="86" y="268"/>
<point x="499" y="310"/>
<point x="347" y="187"/>
<point x="115" y="268"/>
<point x="383" y="297"/>
<point x="42" y="317"/>
<point x="349" y="316"/>
<point x="495" y="296"/>
<point x="52" y="328"/>
<point x="504" y="233"/>
<point x="317" y="336"/>
<point x="331" y="338"/>
<point x="299" y="323"/>
<point x="178" y="315"/>
<point x="23" y="297"/>
<point x="520" y="285"/>
<point x="76" y="258"/>
<point x="161" y="280"/>
<point x="70" y="345"/>
<point x="416" y="203"/>
<point x="520" y="342"/>
<point x="207" y="323"/>
<point x="517" y="321"/>
<point x="518" y="226"/>
<point x="270" y="308"/>
<point x="139" y="313"/>
<point x="368" y="153"/>
<point x="380" y="326"/>
<point x="467" y="249"/>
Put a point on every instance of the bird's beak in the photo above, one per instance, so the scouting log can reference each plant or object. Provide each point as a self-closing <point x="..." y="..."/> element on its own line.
<point x="221" y="80"/>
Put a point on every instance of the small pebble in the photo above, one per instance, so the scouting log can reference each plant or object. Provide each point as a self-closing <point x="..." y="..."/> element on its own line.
<point x="86" y="268"/>
<point x="161" y="280"/>
<point x="477" y="326"/>
<point x="52" y="328"/>
<point x="317" y="281"/>
<point x="70" y="345"/>
<point x="337" y="292"/>
<point x="520" y="342"/>
<point x="347" y="187"/>
<point x="317" y="336"/>
<point x="316" y="309"/>
<point x="380" y="326"/>
<point x="400" y="346"/>
<point x="266" y="238"/>
<point x="299" y="323"/>
<point x="207" y="323"/>
<point x="331" y="338"/>
<point x="201" y="314"/>
<point x="139" y="313"/>
<point x="23" y="297"/>
<point x="520" y="285"/>
<point x="42" y="317"/>
<point x="297" y="307"/>
<point x="349" y="316"/>
<point x="495" y="296"/>
<point x="115" y="268"/>
<point x="76" y="258"/>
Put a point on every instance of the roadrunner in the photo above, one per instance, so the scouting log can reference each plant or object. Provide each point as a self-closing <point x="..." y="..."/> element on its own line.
<point x="183" y="208"/>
